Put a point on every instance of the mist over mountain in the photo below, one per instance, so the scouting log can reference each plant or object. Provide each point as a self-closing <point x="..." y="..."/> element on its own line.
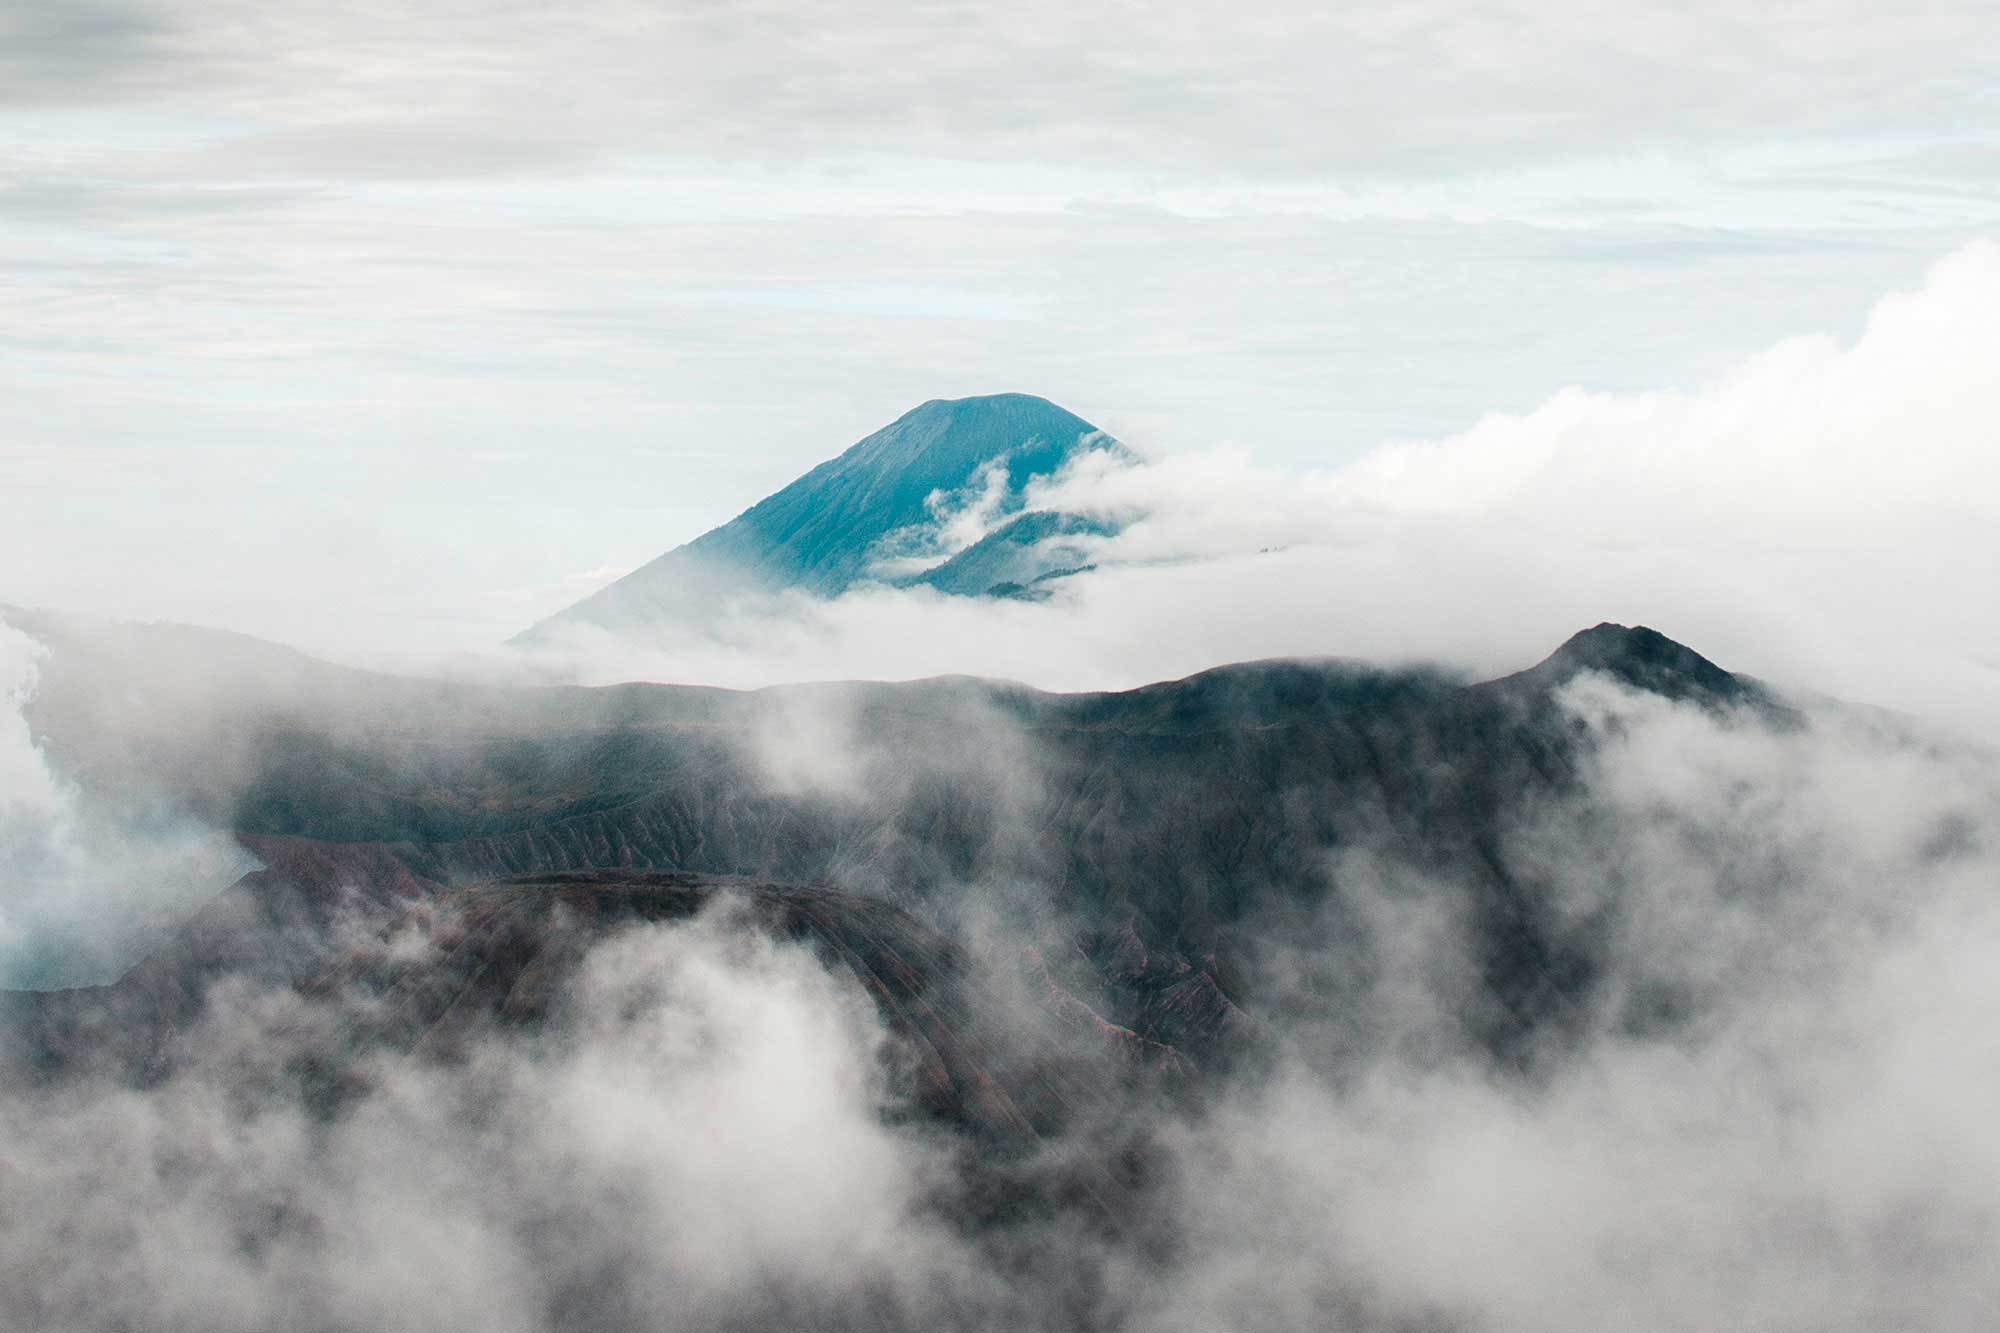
<point x="1461" y="794"/>
<point x="1131" y="842"/>
<point x="1293" y="992"/>
<point x="1129" y="847"/>
<point x="959" y="1004"/>
<point x="935" y="498"/>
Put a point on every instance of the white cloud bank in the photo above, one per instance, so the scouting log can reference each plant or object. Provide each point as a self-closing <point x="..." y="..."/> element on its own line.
<point x="1811" y="1146"/>
<point x="700" y="1146"/>
<point x="1823" y="516"/>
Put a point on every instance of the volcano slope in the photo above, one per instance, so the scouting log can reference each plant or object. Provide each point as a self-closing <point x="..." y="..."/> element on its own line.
<point x="1121" y="861"/>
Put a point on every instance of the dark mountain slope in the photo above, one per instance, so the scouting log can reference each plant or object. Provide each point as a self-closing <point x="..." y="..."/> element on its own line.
<point x="1643" y="659"/>
<point x="504" y="954"/>
<point x="1140" y="844"/>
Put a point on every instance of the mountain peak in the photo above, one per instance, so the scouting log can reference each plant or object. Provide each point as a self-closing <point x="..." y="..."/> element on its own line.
<point x="1643" y="658"/>
<point x="829" y="529"/>
<point x="988" y="401"/>
<point x="948" y="438"/>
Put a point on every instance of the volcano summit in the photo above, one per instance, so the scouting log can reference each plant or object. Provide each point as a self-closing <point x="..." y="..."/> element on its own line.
<point x="939" y="497"/>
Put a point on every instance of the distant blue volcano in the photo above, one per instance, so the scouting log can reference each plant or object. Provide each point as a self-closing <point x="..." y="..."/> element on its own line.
<point x="883" y="511"/>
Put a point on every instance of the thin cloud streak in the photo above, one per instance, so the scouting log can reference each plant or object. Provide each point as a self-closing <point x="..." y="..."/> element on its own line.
<point x="359" y="91"/>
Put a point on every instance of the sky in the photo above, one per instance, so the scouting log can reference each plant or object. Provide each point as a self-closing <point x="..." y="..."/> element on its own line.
<point x="387" y="333"/>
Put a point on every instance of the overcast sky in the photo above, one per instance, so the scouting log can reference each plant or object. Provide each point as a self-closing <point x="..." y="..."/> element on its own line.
<point x="389" y="329"/>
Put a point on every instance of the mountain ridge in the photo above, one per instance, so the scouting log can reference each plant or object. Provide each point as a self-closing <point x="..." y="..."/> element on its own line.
<point x="1165" y="819"/>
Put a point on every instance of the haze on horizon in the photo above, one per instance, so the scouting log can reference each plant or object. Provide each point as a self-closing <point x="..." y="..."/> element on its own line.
<point x="386" y="334"/>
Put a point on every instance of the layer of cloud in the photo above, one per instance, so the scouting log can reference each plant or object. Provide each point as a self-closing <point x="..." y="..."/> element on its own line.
<point x="313" y="291"/>
<point x="373" y="90"/>
<point x="1821" y="516"/>
<point x="85" y="884"/>
<point x="1773" y="1123"/>
<point x="1768" y="1116"/>
<point x="701" y="1144"/>
<point x="369" y="487"/>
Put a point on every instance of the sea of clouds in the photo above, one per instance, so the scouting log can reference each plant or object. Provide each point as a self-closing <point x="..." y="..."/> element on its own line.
<point x="1781" y="1111"/>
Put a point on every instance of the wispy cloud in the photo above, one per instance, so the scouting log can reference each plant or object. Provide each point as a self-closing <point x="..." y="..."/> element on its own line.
<point x="1411" y="87"/>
